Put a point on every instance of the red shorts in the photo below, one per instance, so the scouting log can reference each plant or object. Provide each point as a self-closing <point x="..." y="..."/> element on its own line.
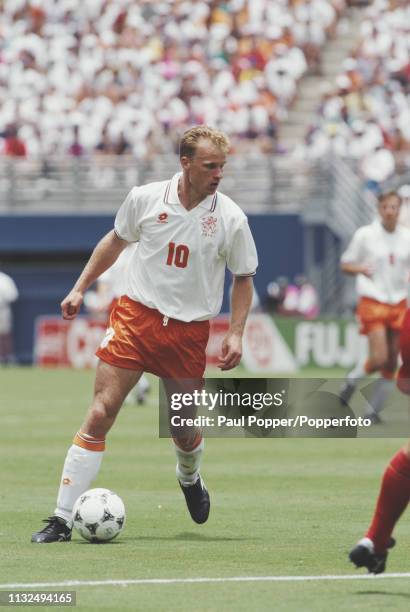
<point x="373" y="314"/>
<point x="137" y="339"/>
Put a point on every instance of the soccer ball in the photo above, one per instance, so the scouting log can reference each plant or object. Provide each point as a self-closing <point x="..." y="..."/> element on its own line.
<point x="99" y="515"/>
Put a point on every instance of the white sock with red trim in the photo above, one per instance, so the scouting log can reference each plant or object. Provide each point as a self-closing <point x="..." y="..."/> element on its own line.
<point x="187" y="469"/>
<point x="81" y="466"/>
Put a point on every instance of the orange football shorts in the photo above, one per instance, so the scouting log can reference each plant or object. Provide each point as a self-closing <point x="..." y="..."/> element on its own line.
<point x="137" y="339"/>
<point x="373" y="314"/>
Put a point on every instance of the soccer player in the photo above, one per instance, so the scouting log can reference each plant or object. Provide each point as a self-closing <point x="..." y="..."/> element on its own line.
<point x="379" y="256"/>
<point x="371" y="551"/>
<point x="188" y="232"/>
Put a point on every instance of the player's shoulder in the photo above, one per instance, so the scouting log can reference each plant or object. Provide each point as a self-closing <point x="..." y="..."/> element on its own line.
<point x="367" y="231"/>
<point x="228" y="208"/>
<point x="403" y="232"/>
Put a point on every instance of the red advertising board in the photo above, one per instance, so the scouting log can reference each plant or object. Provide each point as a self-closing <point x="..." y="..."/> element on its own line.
<point x="60" y="343"/>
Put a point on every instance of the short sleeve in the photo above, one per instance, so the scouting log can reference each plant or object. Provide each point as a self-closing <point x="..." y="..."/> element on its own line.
<point x="354" y="251"/>
<point x="126" y="224"/>
<point x="242" y="258"/>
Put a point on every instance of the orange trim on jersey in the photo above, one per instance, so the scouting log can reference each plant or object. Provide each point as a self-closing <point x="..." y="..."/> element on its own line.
<point x="88" y="442"/>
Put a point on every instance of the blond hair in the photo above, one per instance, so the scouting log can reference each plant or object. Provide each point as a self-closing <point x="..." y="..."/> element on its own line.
<point x="190" y="139"/>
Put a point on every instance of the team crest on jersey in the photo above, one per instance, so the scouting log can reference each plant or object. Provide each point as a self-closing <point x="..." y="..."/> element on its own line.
<point x="209" y="226"/>
<point x="162" y="218"/>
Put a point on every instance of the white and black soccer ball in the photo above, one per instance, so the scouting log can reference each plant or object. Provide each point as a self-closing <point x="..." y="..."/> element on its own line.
<point x="99" y="515"/>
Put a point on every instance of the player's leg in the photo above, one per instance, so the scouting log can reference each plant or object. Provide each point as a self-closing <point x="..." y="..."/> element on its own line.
<point x="189" y="446"/>
<point x="384" y="385"/>
<point x="394" y="496"/>
<point x="138" y="394"/>
<point x="84" y="457"/>
<point x="377" y="356"/>
<point x="403" y="379"/>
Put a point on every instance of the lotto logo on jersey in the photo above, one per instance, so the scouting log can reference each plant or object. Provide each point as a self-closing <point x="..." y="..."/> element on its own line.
<point x="162" y="218"/>
<point x="209" y="226"/>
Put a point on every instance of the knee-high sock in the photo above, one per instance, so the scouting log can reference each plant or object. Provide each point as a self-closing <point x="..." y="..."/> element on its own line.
<point x="81" y="466"/>
<point x="393" y="498"/>
<point x="360" y="370"/>
<point x="383" y="387"/>
<point x="188" y="463"/>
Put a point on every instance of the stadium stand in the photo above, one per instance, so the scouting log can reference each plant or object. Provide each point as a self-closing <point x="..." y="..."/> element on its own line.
<point x="117" y="76"/>
<point x="366" y="117"/>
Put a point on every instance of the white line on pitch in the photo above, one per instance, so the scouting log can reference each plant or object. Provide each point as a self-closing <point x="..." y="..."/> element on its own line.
<point x="69" y="583"/>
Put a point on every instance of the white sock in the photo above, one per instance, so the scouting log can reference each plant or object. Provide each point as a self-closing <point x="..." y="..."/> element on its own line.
<point x="81" y="466"/>
<point x="367" y="543"/>
<point x="188" y="464"/>
<point x="382" y="390"/>
<point x="357" y="373"/>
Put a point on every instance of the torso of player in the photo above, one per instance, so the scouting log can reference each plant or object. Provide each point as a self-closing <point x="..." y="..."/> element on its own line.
<point x="179" y="266"/>
<point x="388" y="253"/>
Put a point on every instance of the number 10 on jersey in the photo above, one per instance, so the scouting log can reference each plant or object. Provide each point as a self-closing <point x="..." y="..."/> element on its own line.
<point x="177" y="255"/>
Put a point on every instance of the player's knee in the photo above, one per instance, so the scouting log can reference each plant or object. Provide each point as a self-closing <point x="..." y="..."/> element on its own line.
<point x="188" y="442"/>
<point x="101" y="411"/>
<point x="378" y="360"/>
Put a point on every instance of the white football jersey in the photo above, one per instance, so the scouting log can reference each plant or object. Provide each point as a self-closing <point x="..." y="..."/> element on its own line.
<point x="116" y="276"/>
<point x="388" y="253"/>
<point x="179" y="266"/>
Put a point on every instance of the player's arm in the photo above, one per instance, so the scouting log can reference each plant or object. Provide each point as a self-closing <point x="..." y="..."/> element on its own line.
<point x="353" y="269"/>
<point x="353" y="259"/>
<point x="242" y="291"/>
<point x="104" y="255"/>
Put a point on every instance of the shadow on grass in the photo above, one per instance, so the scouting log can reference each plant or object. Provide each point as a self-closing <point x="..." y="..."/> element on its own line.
<point x="387" y="593"/>
<point x="192" y="536"/>
<point x="186" y="536"/>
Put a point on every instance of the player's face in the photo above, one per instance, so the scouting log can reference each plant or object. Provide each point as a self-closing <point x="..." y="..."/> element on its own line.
<point x="389" y="210"/>
<point x="205" y="169"/>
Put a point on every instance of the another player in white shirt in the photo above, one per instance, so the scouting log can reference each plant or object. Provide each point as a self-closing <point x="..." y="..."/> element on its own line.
<point x="188" y="233"/>
<point x="379" y="257"/>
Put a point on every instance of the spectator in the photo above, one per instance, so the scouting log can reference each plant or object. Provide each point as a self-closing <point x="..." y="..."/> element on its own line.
<point x="76" y="149"/>
<point x="13" y="145"/>
<point x="308" y="301"/>
<point x="275" y="294"/>
<point x="376" y="168"/>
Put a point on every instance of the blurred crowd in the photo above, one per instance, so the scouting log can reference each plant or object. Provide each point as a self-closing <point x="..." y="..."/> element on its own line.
<point x="119" y="76"/>
<point x="366" y="116"/>
<point x="292" y="299"/>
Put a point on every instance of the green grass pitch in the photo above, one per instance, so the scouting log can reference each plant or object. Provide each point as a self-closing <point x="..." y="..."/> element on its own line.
<point x="290" y="507"/>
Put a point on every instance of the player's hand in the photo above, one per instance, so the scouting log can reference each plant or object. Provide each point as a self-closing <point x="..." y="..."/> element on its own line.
<point x="231" y="352"/>
<point x="70" y="306"/>
<point x="368" y="270"/>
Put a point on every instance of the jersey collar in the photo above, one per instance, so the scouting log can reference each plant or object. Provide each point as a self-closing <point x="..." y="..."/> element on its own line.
<point x="171" y="195"/>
